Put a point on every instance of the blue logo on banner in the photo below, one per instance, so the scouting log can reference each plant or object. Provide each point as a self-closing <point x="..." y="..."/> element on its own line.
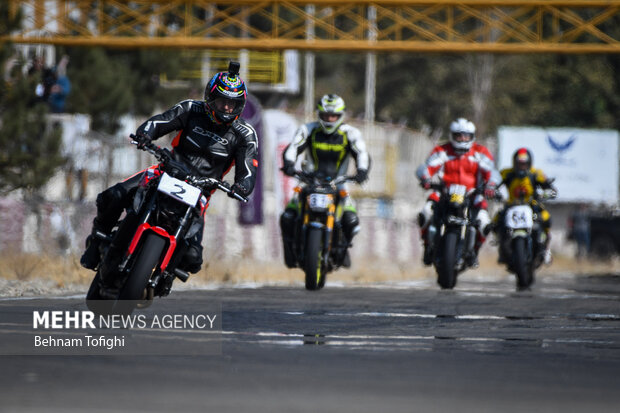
<point x="560" y="148"/>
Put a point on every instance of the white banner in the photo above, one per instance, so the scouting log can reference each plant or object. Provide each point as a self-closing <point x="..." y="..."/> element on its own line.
<point x="584" y="162"/>
<point x="279" y="128"/>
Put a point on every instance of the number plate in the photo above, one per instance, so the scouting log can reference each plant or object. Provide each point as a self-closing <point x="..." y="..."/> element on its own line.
<point x="178" y="189"/>
<point x="457" y="193"/>
<point x="519" y="217"/>
<point x="319" y="201"/>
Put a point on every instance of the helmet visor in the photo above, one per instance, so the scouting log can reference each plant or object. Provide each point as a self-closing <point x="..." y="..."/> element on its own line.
<point x="226" y="106"/>
<point x="462" y="137"/>
<point x="329" y="116"/>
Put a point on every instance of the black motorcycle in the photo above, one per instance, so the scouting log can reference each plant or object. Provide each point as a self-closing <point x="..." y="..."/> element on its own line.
<point x="143" y="252"/>
<point x="521" y="237"/>
<point x="452" y="233"/>
<point x="320" y="245"/>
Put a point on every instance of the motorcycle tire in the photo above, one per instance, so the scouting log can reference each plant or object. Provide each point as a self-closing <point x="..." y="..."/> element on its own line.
<point x="313" y="267"/>
<point x="95" y="301"/>
<point x="523" y="269"/>
<point x="145" y="264"/>
<point x="446" y="271"/>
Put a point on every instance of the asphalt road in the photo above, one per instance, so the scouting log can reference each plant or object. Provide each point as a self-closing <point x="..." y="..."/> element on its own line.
<point x="387" y="348"/>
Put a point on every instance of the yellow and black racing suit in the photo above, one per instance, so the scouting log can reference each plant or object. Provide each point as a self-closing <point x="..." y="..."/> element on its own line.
<point x="521" y="188"/>
<point x="328" y="155"/>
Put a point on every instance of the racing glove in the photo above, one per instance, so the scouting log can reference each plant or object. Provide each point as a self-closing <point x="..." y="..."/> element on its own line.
<point x="361" y="176"/>
<point x="425" y="183"/>
<point x="239" y="189"/>
<point x="288" y="168"/>
<point x="143" y="139"/>
<point x="489" y="192"/>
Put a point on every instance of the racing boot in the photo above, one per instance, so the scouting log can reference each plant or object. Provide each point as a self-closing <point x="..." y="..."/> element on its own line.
<point x="287" y="227"/>
<point x="92" y="254"/>
<point x="547" y="256"/>
<point x="472" y="259"/>
<point x="428" y="235"/>
<point x="427" y="258"/>
<point x="346" y="260"/>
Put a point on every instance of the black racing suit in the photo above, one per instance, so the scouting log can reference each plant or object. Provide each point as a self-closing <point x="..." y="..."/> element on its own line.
<point x="210" y="149"/>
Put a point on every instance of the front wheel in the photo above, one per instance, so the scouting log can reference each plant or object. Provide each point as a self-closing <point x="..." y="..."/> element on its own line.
<point x="523" y="269"/>
<point x="145" y="264"/>
<point x="313" y="265"/>
<point x="446" y="271"/>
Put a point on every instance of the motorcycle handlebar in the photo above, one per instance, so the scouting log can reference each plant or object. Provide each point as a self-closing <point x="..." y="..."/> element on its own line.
<point x="163" y="155"/>
<point x="308" y="177"/>
<point x="222" y="186"/>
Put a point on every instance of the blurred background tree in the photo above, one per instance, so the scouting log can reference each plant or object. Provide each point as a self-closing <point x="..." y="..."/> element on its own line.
<point x="111" y="83"/>
<point x="29" y="144"/>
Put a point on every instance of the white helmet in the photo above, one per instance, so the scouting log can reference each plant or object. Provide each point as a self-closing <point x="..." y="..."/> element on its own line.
<point x="330" y="105"/>
<point x="462" y="134"/>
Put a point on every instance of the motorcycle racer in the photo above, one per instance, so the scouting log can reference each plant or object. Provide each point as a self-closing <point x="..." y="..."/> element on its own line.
<point x="327" y="145"/>
<point x="521" y="182"/>
<point x="211" y="139"/>
<point x="460" y="161"/>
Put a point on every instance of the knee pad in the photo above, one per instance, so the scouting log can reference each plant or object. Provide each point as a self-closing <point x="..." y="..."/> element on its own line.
<point x="110" y="206"/>
<point x="287" y="223"/>
<point x="484" y="220"/>
<point x="350" y="224"/>
<point x="545" y="219"/>
<point x="112" y="197"/>
<point x="424" y="217"/>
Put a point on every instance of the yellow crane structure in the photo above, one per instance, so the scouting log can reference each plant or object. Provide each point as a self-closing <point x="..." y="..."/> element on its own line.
<point x="491" y="26"/>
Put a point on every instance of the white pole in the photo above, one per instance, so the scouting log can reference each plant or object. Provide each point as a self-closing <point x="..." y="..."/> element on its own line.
<point x="309" y="69"/>
<point x="371" y="69"/>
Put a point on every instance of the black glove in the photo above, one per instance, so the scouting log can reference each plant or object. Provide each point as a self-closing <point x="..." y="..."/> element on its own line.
<point x="239" y="189"/>
<point x="425" y="183"/>
<point x="361" y="176"/>
<point x="143" y="139"/>
<point x="288" y="168"/>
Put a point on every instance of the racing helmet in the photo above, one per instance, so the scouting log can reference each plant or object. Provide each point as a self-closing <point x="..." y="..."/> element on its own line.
<point x="522" y="161"/>
<point x="462" y="134"/>
<point x="331" y="112"/>
<point x="225" y="95"/>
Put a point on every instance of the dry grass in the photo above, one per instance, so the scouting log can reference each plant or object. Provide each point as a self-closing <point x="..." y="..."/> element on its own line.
<point x="35" y="276"/>
<point x="62" y="272"/>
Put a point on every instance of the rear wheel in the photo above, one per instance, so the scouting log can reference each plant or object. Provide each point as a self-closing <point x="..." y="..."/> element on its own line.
<point x="95" y="301"/>
<point x="315" y="274"/>
<point x="145" y="264"/>
<point x="523" y="269"/>
<point x="446" y="271"/>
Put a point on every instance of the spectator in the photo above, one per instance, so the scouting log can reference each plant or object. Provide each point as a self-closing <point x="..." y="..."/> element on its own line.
<point x="54" y="85"/>
<point x="60" y="87"/>
<point x="581" y="230"/>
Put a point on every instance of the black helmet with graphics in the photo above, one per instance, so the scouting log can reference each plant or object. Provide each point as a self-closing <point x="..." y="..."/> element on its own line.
<point x="522" y="161"/>
<point x="225" y="95"/>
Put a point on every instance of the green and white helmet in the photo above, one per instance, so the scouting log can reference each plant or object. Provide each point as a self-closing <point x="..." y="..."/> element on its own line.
<point x="328" y="106"/>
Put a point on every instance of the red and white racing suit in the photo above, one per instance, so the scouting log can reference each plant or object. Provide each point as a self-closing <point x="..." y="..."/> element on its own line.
<point x="471" y="169"/>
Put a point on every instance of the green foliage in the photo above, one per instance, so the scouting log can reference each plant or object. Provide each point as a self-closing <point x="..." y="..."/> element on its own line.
<point x="29" y="147"/>
<point x="108" y="84"/>
<point x="100" y="87"/>
<point x="556" y="90"/>
<point x="428" y="91"/>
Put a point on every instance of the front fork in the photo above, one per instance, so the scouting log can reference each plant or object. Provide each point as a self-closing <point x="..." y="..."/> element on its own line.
<point x="168" y="262"/>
